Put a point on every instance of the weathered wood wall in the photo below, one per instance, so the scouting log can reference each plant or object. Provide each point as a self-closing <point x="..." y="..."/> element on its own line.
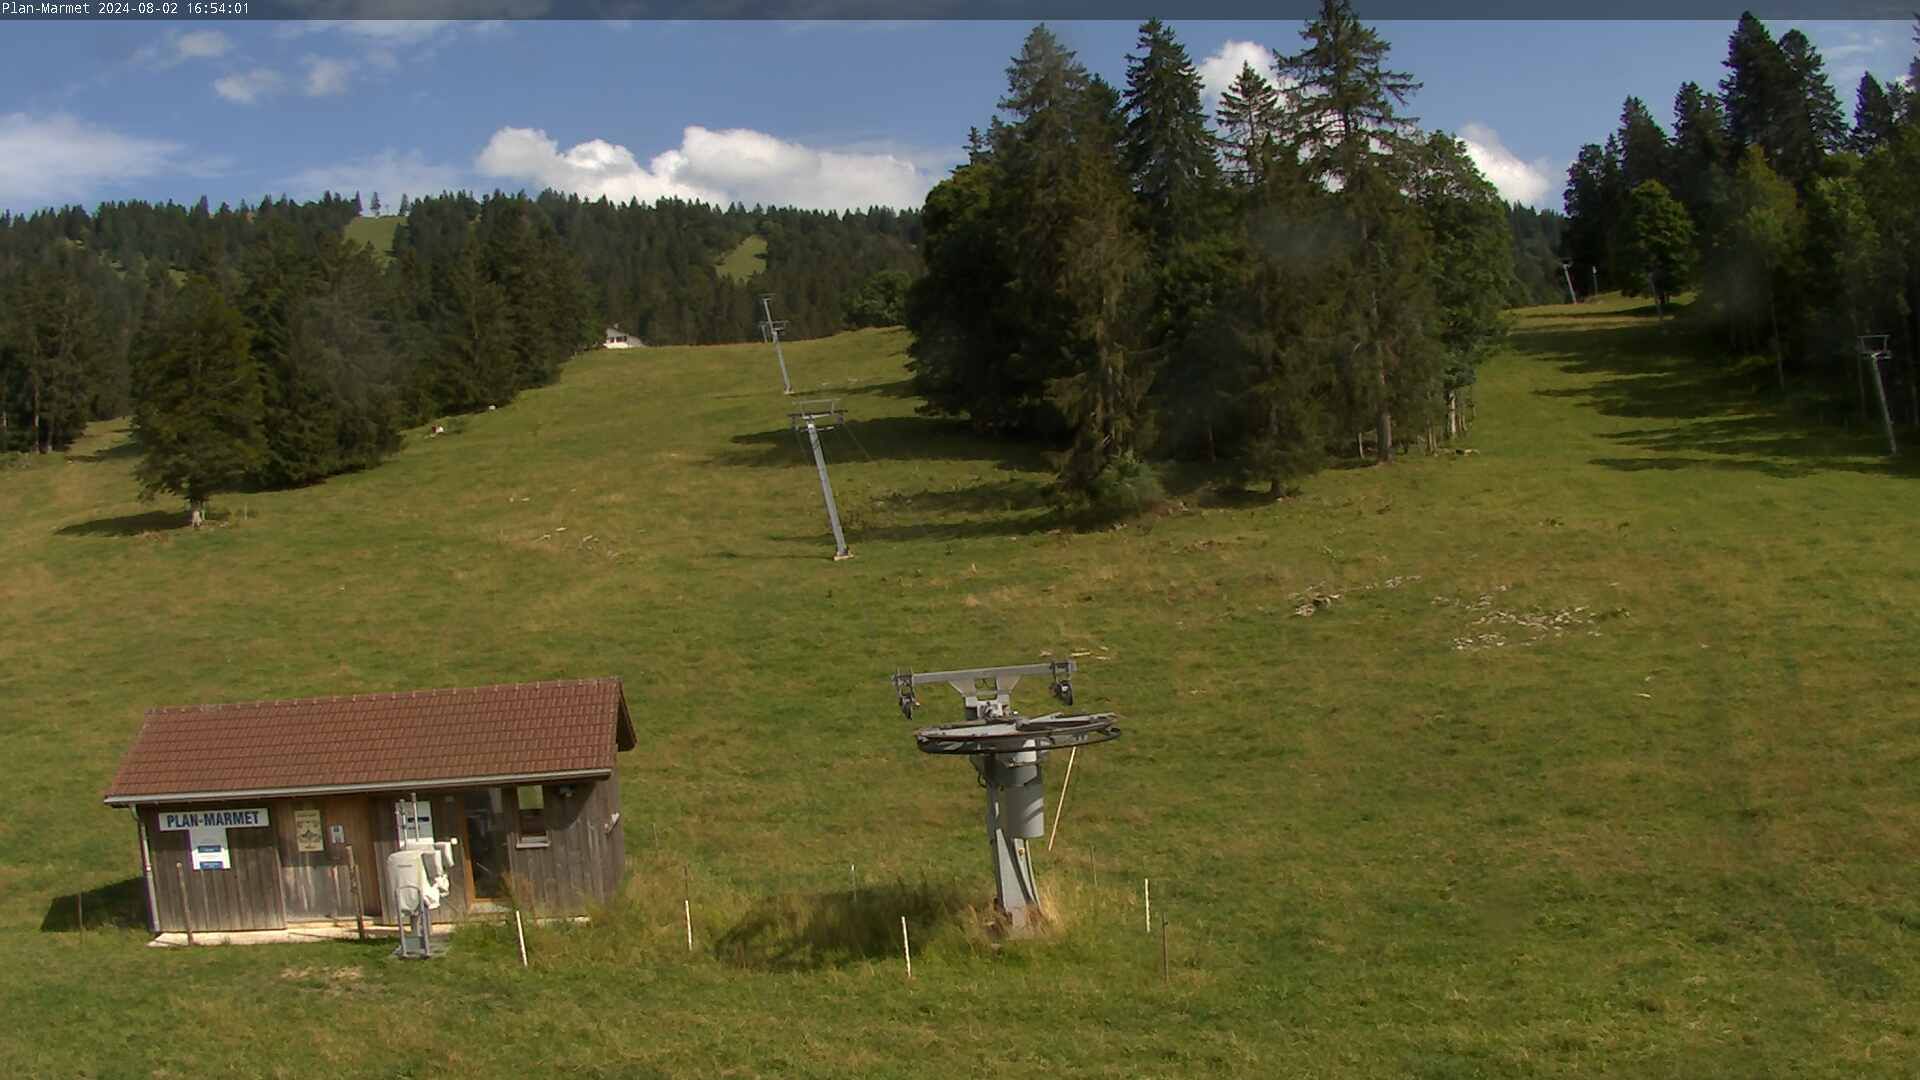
<point x="613" y="854"/>
<point x="247" y="897"/>
<point x="272" y="882"/>
<point x="318" y="885"/>
<point x="571" y="872"/>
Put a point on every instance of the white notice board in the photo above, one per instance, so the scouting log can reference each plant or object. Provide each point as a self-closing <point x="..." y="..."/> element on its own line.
<point x="209" y="846"/>
<point x="416" y="818"/>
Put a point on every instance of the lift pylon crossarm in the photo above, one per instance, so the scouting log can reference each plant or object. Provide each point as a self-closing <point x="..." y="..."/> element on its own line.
<point x="967" y="682"/>
<point x="822" y="413"/>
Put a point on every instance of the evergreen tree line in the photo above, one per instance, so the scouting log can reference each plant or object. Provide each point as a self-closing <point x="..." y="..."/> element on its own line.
<point x="75" y="287"/>
<point x="654" y="267"/>
<point x="99" y="313"/>
<point x="1110" y="272"/>
<point x="1798" y="231"/>
<point x="283" y="353"/>
<point x="1537" y="275"/>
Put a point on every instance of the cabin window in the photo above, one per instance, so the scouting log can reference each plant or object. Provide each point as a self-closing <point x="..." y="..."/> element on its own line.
<point x="533" y="815"/>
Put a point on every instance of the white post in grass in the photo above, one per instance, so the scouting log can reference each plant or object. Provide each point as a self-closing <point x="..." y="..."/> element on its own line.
<point x="520" y="932"/>
<point x="1062" y="807"/>
<point x="1146" y="889"/>
<point x="688" y="903"/>
<point x="906" y="947"/>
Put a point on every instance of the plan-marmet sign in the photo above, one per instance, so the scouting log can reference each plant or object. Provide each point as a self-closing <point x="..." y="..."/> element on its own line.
<point x="207" y="832"/>
<point x="212" y="819"/>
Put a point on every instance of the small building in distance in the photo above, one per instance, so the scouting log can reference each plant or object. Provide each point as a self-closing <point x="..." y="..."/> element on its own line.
<point x="620" y="339"/>
<point x="271" y="814"/>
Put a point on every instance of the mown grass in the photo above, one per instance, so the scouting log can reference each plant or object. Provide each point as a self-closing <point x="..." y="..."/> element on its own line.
<point x="376" y="233"/>
<point x="747" y="258"/>
<point x="1595" y="757"/>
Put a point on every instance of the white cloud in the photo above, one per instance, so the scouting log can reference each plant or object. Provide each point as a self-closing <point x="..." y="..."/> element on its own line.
<point x="711" y="166"/>
<point x="1218" y="71"/>
<point x="390" y="173"/>
<point x="387" y="43"/>
<point x="60" y="158"/>
<point x="1519" y="181"/>
<point x="327" y="76"/>
<point x="248" y="87"/>
<point x="201" y="44"/>
<point x="178" y="47"/>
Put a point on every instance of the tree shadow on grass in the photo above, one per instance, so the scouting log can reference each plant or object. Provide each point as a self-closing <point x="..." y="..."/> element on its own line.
<point x="896" y="388"/>
<point x="119" y="906"/>
<point x="810" y="931"/>
<point x="120" y="451"/>
<point x="1647" y="310"/>
<point x="889" y="438"/>
<point x="128" y="524"/>
<point x="1718" y="416"/>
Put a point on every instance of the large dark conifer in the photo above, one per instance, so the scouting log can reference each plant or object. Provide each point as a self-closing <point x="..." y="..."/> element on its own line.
<point x="199" y="420"/>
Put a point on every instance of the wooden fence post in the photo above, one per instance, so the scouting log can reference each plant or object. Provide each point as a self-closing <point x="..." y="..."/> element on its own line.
<point x="353" y="887"/>
<point x="186" y="904"/>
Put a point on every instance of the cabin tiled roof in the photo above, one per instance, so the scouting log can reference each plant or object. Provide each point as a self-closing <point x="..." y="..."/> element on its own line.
<point x="418" y="738"/>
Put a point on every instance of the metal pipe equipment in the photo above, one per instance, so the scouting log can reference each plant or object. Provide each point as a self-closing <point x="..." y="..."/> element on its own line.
<point x="1007" y="750"/>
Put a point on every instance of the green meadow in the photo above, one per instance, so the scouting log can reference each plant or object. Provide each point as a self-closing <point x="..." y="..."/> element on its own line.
<point x="1591" y="752"/>
<point x="376" y="233"/>
<point x="746" y="259"/>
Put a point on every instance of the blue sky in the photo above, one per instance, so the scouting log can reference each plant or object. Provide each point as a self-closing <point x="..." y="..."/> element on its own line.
<point x="816" y="114"/>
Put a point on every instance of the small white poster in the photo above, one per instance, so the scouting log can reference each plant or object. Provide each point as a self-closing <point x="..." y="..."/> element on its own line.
<point x="306" y="831"/>
<point x="416" y="819"/>
<point x="209" y="846"/>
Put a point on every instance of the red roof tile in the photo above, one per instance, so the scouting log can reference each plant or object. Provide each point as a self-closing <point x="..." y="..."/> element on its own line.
<point x="421" y="737"/>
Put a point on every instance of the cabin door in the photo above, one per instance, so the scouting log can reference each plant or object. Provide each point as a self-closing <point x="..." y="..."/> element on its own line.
<point x="349" y="843"/>
<point x="484" y="814"/>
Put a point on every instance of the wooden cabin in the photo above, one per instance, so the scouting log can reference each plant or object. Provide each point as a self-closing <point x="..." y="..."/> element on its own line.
<point x="271" y="814"/>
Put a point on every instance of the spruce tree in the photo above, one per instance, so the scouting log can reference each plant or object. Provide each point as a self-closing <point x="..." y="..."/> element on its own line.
<point x="1595" y="201"/>
<point x="55" y="345"/>
<point x="1343" y="106"/>
<point x="1472" y="266"/>
<point x="1172" y="160"/>
<point x="1169" y="151"/>
<point x="1644" y="150"/>
<point x="1874" y="119"/>
<point x="1815" y="123"/>
<point x="1701" y="155"/>
<point x="1039" y="152"/>
<point x="1757" y="91"/>
<point x="1823" y="126"/>
<point x="1250" y="127"/>
<point x="199" y="416"/>
<point x="1346" y="127"/>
